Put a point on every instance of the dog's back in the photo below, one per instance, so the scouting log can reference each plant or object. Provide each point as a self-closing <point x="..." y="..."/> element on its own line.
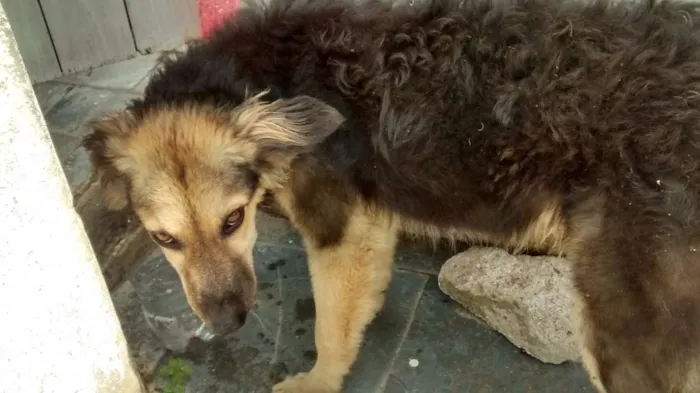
<point x="524" y="100"/>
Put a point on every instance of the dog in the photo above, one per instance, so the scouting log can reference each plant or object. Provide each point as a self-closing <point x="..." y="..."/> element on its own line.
<point x="570" y="128"/>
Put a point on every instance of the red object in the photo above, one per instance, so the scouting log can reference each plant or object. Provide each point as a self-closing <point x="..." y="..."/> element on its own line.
<point x="213" y="12"/>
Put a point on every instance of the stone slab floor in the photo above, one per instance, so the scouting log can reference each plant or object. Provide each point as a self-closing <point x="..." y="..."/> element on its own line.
<point x="422" y="342"/>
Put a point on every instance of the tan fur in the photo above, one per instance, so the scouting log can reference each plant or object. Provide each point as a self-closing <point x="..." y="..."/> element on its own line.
<point x="349" y="279"/>
<point x="587" y="225"/>
<point x="686" y="379"/>
<point x="267" y="120"/>
<point x="171" y="218"/>
<point x="237" y="140"/>
<point x="114" y="187"/>
<point x="348" y="282"/>
<point x="690" y="380"/>
<point x="583" y="333"/>
<point x="192" y="211"/>
<point x="185" y="170"/>
<point x="208" y="138"/>
<point x="546" y="232"/>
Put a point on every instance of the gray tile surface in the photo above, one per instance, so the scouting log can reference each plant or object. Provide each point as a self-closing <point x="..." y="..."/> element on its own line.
<point x="77" y="167"/>
<point x="82" y="104"/>
<point x="67" y="109"/>
<point x="274" y="230"/>
<point x="65" y="145"/>
<point x="49" y="93"/>
<point x="140" y="88"/>
<point x="125" y="75"/>
<point x="385" y="335"/>
<point x="422" y="257"/>
<point x="145" y="348"/>
<point x="457" y="353"/>
<point x="279" y="339"/>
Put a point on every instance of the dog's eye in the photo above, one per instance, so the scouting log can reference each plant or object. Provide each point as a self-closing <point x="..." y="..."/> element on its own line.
<point x="165" y="240"/>
<point x="232" y="222"/>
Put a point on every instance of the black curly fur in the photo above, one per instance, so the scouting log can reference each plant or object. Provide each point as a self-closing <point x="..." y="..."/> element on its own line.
<point x="475" y="114"/>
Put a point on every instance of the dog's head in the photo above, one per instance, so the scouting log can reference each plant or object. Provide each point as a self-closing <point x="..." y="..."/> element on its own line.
<point x="194" y="174"/>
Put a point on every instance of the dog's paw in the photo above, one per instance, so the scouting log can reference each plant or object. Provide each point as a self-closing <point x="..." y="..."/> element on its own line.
<point x="305" y="383"/>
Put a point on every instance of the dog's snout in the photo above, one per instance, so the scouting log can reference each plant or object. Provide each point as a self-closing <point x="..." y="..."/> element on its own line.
<point x="226" y="313"/>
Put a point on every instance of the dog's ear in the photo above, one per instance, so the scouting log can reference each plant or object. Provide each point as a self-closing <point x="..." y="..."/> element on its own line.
<point x="105" y="146"/>
<point x="286" y="126"/>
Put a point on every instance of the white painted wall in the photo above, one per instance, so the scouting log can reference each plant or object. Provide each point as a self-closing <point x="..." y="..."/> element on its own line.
<point x="58" y="328"/>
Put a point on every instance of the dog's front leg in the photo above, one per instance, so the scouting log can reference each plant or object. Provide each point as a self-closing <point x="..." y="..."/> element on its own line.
<point x="348" y="279"/>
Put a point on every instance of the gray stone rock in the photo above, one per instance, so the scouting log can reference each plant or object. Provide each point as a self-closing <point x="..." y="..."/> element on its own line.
<point x="527" y="299"/>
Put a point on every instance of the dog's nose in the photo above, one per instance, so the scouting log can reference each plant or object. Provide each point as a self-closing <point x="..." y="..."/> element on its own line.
<point x="225" y="314"/>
